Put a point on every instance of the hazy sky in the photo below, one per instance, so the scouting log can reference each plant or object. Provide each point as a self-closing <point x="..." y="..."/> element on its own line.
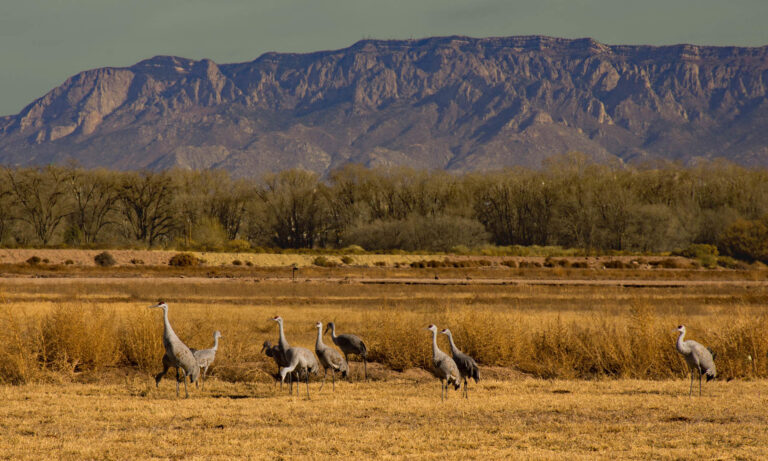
<point x="42" y="42"/>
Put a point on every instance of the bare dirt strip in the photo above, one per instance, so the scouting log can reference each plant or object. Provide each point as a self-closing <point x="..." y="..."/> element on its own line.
<point x="655" y="283"/>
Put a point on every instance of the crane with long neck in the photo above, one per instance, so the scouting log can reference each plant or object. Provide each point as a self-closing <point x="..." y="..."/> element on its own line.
<point x="205" y="357"/>
<point x="300" y="360"/>
<point x="177" y="354"/>
<point x="467" y="366"/>
<point x="445" y="368"/>
<point x="350" y="344"/>
<point x="700" y="360"/>
<point x="329" y="358"/>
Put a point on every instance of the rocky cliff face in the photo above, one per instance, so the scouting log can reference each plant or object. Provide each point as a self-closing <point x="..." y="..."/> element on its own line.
<point x="451" y="103"/>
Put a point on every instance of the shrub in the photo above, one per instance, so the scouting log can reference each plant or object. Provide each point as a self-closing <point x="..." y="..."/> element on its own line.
<point x="33" y="260"/>
<point x="615" y="264"/>
<point x="237" y="245"/>
<point x="671" y="263"/>
<point x="137" y="261"/>
<point x="104" y="259"/>
<point x="347" y="260"/>
<point x="440" y="233"/>
<point x="69" y="262"/>
<point x="322" y="261"/>
<point x="353" y="249"/>
<point x="380" y="263"/>
<point x="237" y="262"/>
<point x="579" y="265"/>
<point x="183" y="260"/>
<point x="527" y="264"/>
<point x="746" y="240"/>
<point x="249" y="263"/>
<point x="46" y="260"/>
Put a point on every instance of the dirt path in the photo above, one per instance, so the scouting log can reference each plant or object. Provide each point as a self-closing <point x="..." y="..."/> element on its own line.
<point x="656" y="283"/>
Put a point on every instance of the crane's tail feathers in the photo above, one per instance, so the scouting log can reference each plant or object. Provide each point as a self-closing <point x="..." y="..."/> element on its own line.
<point x="711" y="374"/>
<point x="476" y="375"/>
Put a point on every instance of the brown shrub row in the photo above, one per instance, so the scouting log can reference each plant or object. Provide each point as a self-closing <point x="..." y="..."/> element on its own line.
<point x="71" y="338"/>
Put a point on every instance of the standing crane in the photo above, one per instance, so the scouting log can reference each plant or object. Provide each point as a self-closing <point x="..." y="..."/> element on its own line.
<point x="299" y="359"/>
<point x="350" y="344"/>
<point x="177" y="355"/>
<point x="206" y="357"/>
<point x="467" y="366"/>
<point x="700" y="360"/>
<point x="329" y="358"/>
<point x="445" y="368"/>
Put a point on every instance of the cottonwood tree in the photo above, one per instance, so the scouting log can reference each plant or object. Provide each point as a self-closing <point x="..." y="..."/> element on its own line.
<point x="40" y="194"/>
<point x="296" y="209"/>
<point x="146" y="203"/>
<point x="94" y="196"/>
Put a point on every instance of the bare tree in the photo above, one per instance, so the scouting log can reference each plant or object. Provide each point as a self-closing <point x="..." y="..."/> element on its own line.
<point x="95" y="195"/>
<point x="40" y="194"/>
<point x="296" y="209"/>
<point x="147" y="205"/>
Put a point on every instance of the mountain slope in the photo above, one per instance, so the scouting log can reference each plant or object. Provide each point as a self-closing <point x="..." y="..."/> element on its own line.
<point x="452" y="103"/>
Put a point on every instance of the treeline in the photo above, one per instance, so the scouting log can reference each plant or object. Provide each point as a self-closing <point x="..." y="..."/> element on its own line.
<point x="571" y="203"/>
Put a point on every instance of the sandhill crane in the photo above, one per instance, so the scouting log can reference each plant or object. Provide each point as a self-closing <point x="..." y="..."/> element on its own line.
<point x="206" y="357"/>
<point x="299" y="359"/>
<point x="349" y="344"/>
<point x="467" y="366"/>
<point x="277" y="355"/>
<point x="445" y="368"/>
<point x="329" y="358"/>
<point x="177" y="354"/>
<point x="700" y="360"/>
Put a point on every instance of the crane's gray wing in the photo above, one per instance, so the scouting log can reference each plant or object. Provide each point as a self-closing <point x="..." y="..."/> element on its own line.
<point x="467" y="366"/>
<point x="351" y="344"/>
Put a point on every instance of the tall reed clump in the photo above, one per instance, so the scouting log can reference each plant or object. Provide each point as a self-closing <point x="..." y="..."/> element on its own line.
<point x="18" y="358"/>
<point x="77" y="338"/>
<point x="59" y="342"/>
<point x="139" y="333"/>
<point x="398" y="338"/>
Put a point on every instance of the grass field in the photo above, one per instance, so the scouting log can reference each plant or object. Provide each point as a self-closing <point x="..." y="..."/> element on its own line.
<point x="399" y="419"/>
<point x="581" y="371"/>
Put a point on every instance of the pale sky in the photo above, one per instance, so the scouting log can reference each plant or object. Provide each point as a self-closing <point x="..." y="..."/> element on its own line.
<point x="43" y="42"/>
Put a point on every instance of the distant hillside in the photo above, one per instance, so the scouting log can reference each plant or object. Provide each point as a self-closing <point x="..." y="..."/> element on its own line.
<point x="452" y="103"/>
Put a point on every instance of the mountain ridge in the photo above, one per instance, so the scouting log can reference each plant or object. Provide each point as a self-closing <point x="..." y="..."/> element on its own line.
<point x="456" y="103"/>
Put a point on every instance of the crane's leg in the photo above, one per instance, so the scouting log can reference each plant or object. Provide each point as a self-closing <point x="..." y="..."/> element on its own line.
<point x="325" y="373"/>
<point x="690" y="392"/>
<point x="349" y="375"/>
<point x="365" y="368"/>
<point x="297" y="386"/>
<point x="333" y="377"/>
<point x="699" y="385"/>
<point x="202" y="384"/>
<point x="184" y="378"/>
<point x="177" y="381"/>
<point x="466" y="391"/>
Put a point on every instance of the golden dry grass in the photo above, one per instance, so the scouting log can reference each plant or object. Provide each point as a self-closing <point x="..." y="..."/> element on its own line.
<point x="400" y="419"/>
<point x="87" y="349"/>
<point x="58" y="329"/>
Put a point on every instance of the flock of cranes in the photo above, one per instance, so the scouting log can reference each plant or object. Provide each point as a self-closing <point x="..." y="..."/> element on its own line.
<point x="297" y="363"/>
